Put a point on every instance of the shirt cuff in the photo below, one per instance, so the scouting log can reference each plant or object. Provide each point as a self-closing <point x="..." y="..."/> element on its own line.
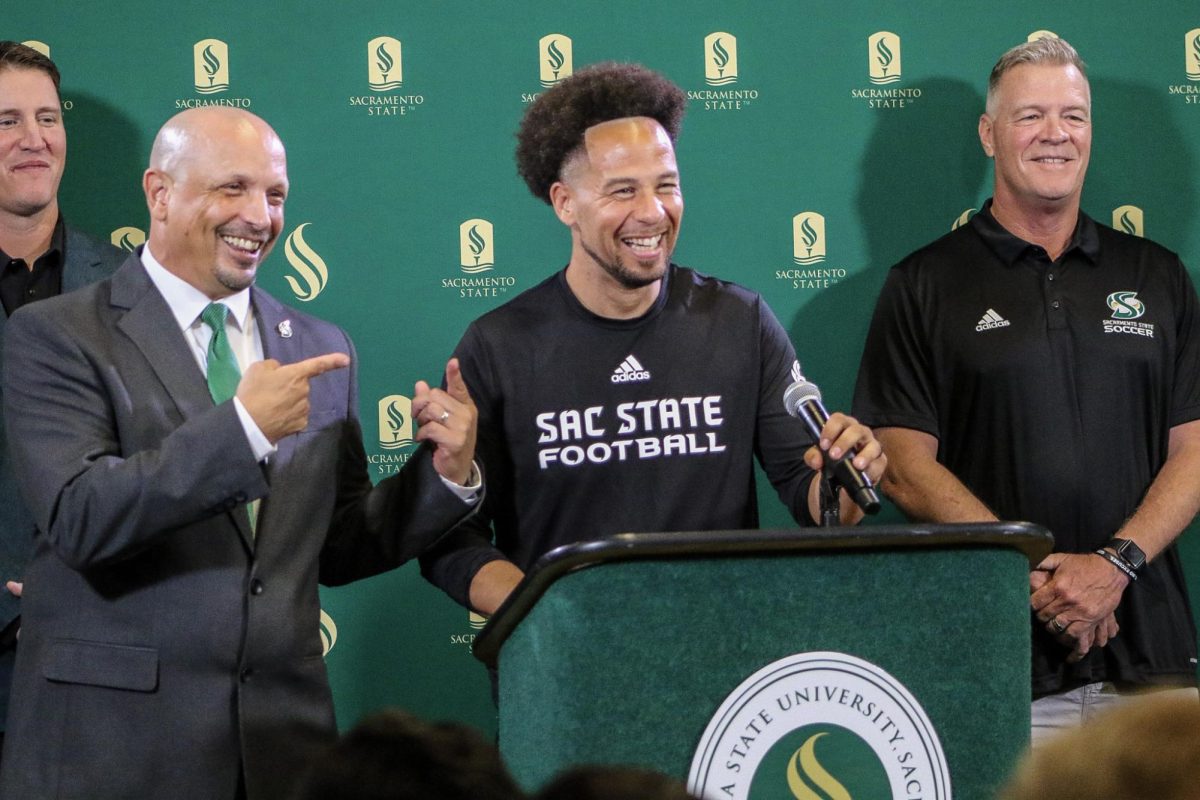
<point x="469" y="494"/>
<point x="258" y="441"/>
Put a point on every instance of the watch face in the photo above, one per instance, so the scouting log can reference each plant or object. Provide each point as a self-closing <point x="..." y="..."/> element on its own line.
<point x="1129" y="551"/>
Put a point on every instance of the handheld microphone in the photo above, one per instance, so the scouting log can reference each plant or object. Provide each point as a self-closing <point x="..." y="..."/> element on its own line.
<point x="803" y="399"/>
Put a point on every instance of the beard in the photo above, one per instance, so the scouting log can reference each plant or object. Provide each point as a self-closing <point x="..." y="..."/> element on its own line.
<point x="623" y="275"/>
<point x="235" y="279"/>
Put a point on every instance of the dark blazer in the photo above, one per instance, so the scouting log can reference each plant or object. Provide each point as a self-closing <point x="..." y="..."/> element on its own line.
<point x="162" y="647"/>
<point x="87" y="260"/>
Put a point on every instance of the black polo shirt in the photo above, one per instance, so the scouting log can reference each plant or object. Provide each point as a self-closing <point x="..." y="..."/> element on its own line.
<point x="1051" y="387"/>
<point x="20" y="285"/>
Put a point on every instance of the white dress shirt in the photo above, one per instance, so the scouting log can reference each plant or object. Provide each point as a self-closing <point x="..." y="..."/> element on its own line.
<point x="187" y="303"/>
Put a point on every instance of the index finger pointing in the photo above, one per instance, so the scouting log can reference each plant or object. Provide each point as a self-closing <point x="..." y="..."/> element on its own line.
<point x="456" y="387"/>
<point x="312" y="367"/>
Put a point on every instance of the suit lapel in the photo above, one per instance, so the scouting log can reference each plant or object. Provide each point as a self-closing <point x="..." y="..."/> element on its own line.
<point x="150" y="325"/>
<point x="278" y="342"/>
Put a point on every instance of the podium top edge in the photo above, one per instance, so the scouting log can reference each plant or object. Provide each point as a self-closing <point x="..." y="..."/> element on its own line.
<point x="1033" y="541"/>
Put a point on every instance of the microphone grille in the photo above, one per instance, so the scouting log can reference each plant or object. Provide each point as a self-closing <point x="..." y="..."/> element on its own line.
<point x="797" y="393"/>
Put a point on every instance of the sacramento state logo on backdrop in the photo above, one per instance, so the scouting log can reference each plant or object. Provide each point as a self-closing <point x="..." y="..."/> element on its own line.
<point x="329" y="633"/>
<point x="963" y="218"/>
<point x="555" y="59"/>
<point x="720" y="59"/>
<point x="210" y="77"/>
<point x="385" y="67"/>
<point x="721" y="70"/>
<point x="1191" y="54"/>
<point x="211" y="65"/>
<point x="395" y="422"/>
<point x="808" y="238"/>
<point x="128" y="238"/>
<point x="41" y="47"/>
<point x="883" y="53"/>
<point x="477" y="256"/>
<point x="1042" y="34"/>
<point x="885" y="69"/>
<point x="44" y="49"/>
<point x="384" y="75"/>
<point x="789" y="731"/>
<point x="475" y="622"/>
<point x="1128" y="219"/>
<point x="396" y="430"/>
<point x="475" y="246"/>
<point x="1189" y="93"/>
<point x="312" y="275"/>
<point x="808" y="251"/>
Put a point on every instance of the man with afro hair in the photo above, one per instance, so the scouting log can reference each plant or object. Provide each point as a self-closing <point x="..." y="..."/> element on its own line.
<point x="625" y="392"/>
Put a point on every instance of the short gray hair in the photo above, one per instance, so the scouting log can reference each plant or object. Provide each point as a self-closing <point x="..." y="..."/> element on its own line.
<point x="1050" y="50"/>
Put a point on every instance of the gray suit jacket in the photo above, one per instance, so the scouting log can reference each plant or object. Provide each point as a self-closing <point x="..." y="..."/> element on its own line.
<point x="162" y="647"/>
<point x="87" y="261"/>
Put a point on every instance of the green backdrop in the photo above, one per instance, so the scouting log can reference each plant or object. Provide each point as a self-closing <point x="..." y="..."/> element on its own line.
<point x="394" y="143"/>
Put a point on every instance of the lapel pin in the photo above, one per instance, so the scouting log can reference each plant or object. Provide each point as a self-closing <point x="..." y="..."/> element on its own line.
<point x="285" y="329"/>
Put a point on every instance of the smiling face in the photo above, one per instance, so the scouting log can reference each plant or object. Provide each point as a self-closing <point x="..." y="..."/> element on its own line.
<point x="620" y="196"/>
<point x="1039" y="131"/>
<point x="33" y="144"/>
<point x="216" y="191"/>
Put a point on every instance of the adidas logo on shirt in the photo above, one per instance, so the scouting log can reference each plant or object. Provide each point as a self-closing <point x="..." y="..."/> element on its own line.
<point x="629" y="371"/>
<point x="991" y="320"/>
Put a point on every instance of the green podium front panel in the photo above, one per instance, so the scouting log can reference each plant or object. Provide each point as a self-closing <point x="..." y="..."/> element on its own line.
<point x="627" y="662"/>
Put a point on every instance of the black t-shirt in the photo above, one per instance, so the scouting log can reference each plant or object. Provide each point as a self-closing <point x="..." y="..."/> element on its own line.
<point x="1051" y="388"/>
<point x="20" y="285"/>
<point x="591" y="426"/>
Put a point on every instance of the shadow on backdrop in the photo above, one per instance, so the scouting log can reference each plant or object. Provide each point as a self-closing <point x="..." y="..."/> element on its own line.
<point x="106" y="155"/>
<point x="920" y="169"/>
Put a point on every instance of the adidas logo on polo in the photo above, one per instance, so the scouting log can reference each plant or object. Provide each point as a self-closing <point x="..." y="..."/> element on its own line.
<point x="629" y="371"/>
<point x="991" y="320"/>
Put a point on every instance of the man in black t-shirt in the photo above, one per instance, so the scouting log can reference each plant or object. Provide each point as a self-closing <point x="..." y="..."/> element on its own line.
<point x="1036" y="365"/>
<point x="624" y="393"/>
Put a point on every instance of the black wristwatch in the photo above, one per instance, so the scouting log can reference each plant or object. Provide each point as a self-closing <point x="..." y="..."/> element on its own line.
<point x="1128" y="552"/>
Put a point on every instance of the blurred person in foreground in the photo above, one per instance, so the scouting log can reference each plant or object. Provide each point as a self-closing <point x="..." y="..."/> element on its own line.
<point x="393" y="755"/>
<point x="1147" y="749"/>
<point x="597" y="782"/>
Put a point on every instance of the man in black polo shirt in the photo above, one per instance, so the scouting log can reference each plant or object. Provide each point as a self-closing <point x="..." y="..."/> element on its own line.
<point x="1036" y="365"/>
<point x="40" y="257"/>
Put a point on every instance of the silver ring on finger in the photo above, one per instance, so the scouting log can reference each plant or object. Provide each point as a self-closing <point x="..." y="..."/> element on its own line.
<point x="1058" y="626"/>
<point x="445" y="416"/>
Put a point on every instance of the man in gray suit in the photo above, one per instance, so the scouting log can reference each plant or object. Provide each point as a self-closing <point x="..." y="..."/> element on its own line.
<point x="170" y="645"/>
<point x="40" y="256"/>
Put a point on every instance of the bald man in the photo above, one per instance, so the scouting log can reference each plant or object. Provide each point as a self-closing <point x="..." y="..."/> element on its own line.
<point x="171" y="645"/>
